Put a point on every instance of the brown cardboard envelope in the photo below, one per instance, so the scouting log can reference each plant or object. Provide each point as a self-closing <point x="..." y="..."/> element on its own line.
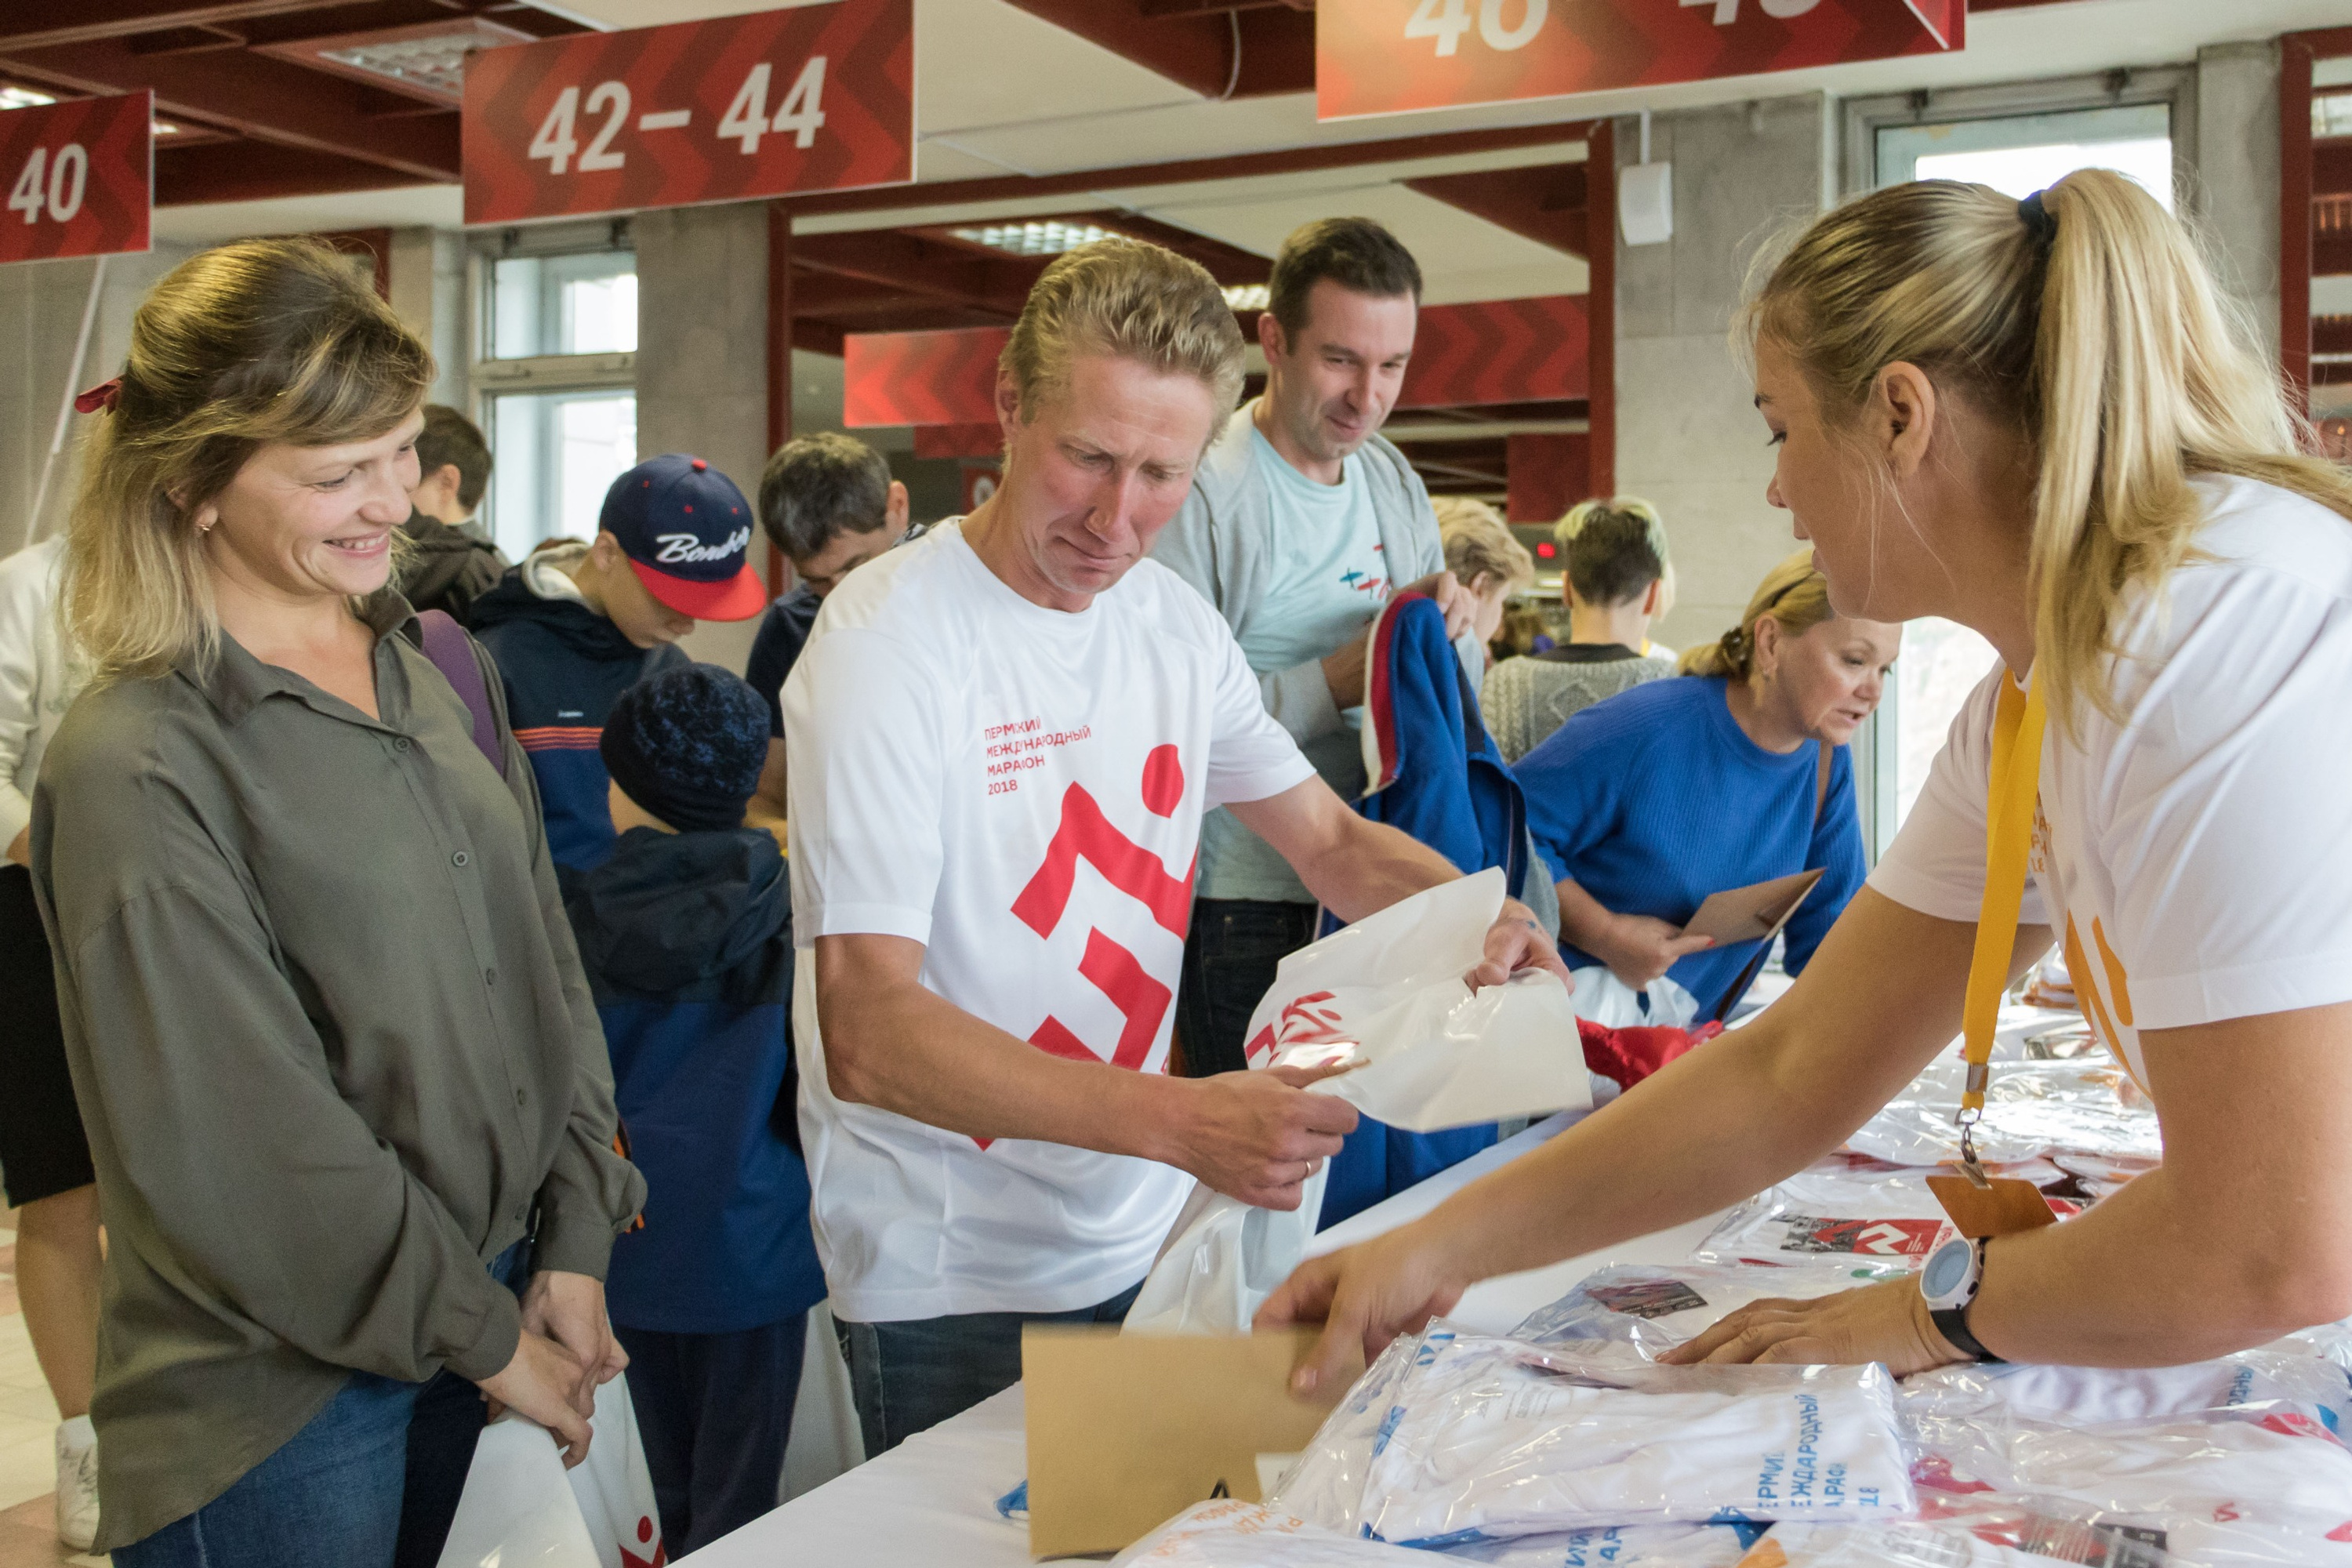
<point x="1753" y="914"/>
<point x="1128" y="1430"/>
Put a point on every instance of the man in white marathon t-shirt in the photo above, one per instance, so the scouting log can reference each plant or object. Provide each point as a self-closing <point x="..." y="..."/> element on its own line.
<point x="1004" y="736"/>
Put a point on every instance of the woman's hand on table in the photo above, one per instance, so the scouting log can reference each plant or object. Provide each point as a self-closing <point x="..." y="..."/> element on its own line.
<point x="1638" y="948"/>
<point x="539" y="1381"/>
<point x="1364" y="1296"/>
<point x="1887" y="1322"/>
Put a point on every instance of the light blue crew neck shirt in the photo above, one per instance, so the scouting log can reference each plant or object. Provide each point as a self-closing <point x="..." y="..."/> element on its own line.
<point x="1330" y="580"/>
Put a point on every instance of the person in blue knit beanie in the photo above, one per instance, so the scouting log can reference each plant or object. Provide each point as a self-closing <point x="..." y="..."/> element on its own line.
<point x="686" y="935"/>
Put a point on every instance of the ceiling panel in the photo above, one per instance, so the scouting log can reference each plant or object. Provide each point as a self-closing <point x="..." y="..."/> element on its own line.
<point x="1462" y="256"/>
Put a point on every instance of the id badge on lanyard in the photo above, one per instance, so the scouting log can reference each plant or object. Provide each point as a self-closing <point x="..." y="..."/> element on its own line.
<point x="1981" y="1206"/>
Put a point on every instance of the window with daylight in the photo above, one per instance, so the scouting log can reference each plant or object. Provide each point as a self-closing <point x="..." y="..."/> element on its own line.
<point x="2018" y="138"/>
<point x="555" y="380"/>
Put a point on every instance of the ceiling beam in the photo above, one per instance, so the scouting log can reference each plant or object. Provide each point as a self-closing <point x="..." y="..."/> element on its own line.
<point x="1196" y="51"/>
<point x="949" y="272"/>
<point x="1542" y="202"/>
<point x="45" y="26"/>
<point x="266" y="99"/>
<point x="1185" y="170"/>
<point x="239" y="171"/>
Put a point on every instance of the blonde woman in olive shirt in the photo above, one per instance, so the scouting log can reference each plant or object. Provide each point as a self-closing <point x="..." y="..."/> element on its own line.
<point x="324" y="1016"/>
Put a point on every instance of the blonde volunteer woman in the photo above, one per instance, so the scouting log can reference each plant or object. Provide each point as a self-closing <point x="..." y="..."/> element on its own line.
<point x="2035" y="419"/>
<point x="343" y="1081"/>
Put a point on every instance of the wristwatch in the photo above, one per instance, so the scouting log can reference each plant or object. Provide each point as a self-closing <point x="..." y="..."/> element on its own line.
<point x="1950" y="1280"/>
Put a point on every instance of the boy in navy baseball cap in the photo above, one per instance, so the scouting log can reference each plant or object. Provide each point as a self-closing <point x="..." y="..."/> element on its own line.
<point x="576" y="624"/>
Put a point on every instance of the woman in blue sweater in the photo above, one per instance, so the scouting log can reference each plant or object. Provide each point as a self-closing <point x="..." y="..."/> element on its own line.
<point x="1646" y="803"/>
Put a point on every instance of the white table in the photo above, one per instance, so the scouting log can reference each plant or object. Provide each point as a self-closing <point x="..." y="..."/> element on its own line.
<point x="932" y="1500"/>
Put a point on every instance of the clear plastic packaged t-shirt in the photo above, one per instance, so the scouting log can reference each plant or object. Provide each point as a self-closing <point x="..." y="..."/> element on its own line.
<point x="1614" y="1546"/>
<point x="1228" y="1533"/>
<point x="2269" y="1470"/>
<point x="1490" y="1438"/>
<point x="1325" y="1485"/>
<point x="1645" y="1310"/>
<point x="1981" y="1532"/>
<point x="1842" y="1210"/>
<point x="2031" y="1109"/>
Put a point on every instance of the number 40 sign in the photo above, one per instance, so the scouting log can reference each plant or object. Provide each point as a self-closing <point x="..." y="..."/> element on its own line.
<point x="815" y="97"/>
<point x="1383" y="56"/>
<point x="78" y="177"/>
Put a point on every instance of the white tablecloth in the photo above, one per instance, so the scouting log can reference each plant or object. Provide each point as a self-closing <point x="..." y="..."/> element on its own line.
<point x="931" y="1501"/>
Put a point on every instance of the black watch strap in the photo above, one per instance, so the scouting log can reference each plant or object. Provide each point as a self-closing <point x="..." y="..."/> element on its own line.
<point x="1952" y="1323"/>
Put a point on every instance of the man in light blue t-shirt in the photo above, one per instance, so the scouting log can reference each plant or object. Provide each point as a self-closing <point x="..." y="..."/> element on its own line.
<point x="1301" y="522"/>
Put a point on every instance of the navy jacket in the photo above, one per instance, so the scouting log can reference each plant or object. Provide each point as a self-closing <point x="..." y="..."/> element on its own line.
<point x="563" y="665"/>
<point x="783" y="632"/>
<point x="688" y="941"/>
<point x="1436" y="776"/>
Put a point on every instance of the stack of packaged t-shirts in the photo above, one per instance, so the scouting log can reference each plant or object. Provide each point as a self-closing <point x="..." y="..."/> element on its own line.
<point x="1485" y="1440"/>
<point x="1855" y="1210"/>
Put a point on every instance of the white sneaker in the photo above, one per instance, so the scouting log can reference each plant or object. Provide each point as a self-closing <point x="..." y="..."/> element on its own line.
<point x="77" y="1483"/>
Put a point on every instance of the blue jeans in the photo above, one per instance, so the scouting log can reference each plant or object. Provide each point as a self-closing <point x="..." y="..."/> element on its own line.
<point x="335" y="1492"/>
<point x="909" y="1377"/>
<point x="1230" y="958"/>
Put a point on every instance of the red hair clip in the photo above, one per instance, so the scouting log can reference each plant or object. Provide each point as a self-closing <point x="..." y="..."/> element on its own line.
<point x="105" y="394"/>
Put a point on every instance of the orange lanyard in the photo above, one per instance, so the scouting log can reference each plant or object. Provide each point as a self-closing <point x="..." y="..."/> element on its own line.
<point x="2011" y="794"/>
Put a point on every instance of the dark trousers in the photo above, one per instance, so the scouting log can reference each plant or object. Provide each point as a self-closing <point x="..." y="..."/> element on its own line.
<point x="1229" y="962"/>
<point x="907" y="1377"/>
<point x="716" y="1413"/>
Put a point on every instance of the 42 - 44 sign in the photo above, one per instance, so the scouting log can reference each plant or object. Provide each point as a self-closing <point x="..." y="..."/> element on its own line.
<point x="815" y="97"/>
<point x="1384" y="57"/>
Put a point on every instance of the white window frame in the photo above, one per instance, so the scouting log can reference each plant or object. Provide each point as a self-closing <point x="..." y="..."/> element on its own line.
<point x="493" y="377"/>
<point x="1875" y="754"/>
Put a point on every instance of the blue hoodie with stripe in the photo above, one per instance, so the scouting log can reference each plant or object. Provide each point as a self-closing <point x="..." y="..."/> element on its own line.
<point x="563" y="665"/>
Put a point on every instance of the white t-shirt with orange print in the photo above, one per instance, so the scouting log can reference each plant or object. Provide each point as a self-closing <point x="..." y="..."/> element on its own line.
<point x="2196" y="857"/>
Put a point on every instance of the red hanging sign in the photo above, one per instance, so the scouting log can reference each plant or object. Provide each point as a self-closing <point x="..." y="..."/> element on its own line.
<point x="1384" y="57"/>
<point x="819" y="97"/>
<point x="80" y="177"/>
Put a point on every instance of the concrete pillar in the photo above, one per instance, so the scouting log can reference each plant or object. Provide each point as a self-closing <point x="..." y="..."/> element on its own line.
<point x="1688" y="437"/>
<point x="2234" y="193"/>
<point x="40" y="312"/>
<point x="428" y="293"/>
<point x="702" y="373"/>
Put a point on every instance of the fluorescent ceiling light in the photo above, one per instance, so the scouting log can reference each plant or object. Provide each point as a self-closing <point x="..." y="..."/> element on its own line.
<point x="1247" y="296"/>
<point x="23" y="98"/>
<point x="2331" y="114"/>
<point x="436" y="64"/>
<point x="1050" y="237"/>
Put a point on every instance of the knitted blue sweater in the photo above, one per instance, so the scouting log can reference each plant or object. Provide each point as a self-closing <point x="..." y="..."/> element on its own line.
<point x="1655" y="797"/>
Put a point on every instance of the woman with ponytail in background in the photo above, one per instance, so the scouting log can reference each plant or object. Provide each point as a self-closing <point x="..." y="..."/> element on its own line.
<point x="1643" y="805"/>
<point x="2039" y="420"/>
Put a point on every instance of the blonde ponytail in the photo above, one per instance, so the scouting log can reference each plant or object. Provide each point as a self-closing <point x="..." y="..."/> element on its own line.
<point x="2087" y="315"/>
<point x="1793" y="592"/>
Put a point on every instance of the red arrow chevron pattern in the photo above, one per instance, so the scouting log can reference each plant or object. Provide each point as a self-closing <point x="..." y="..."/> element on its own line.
<point x="1496" y="350"/>
<point x="1384" y="57"/>
<point x="922" y="378"/>
<point x="77" y="177"/>
<point x="1499" y="351"/>
<point x="646" y="106"/>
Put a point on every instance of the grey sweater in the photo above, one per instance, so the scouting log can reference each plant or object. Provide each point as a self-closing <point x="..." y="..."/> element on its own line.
<point x="1223" y="542"/>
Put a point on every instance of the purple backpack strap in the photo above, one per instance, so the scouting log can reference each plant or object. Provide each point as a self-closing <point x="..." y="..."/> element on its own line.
<point x="452" y="653"/>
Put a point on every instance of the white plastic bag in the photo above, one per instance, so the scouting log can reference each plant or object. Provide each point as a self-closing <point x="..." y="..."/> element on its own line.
<point x="1388" y="996"/>
<point x="1490" y="1438"/>
<point x="1609" y="1002"/>
<point x="522" y="1509"/>
<point x="1616" y="1546"/>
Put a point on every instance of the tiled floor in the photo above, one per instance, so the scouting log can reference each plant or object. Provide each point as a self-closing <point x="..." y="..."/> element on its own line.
<point x="29" y="1420"/>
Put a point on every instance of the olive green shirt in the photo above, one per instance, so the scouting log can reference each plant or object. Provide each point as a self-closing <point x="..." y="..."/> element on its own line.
<point x="331" y="1043"/>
